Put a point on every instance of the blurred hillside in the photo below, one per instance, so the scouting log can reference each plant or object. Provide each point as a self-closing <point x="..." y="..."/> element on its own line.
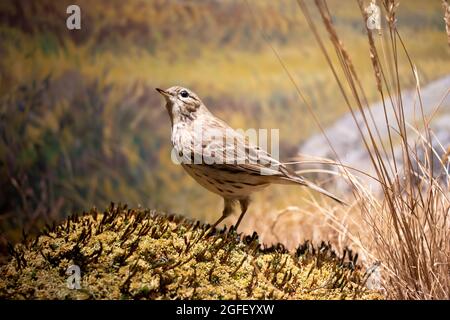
<point x="81" y="124"/>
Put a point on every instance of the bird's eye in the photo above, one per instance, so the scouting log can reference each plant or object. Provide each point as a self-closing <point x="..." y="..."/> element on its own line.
<point x="184" y="94"/>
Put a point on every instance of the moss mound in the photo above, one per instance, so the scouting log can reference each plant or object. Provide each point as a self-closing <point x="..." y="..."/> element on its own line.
<point x="140" y="254"/>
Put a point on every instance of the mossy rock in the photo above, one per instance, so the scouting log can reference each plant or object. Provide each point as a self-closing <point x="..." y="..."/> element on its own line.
<point x="140" y="254"/>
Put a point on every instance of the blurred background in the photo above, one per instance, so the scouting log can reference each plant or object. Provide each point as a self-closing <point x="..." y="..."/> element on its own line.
<point x="81" y="124"/>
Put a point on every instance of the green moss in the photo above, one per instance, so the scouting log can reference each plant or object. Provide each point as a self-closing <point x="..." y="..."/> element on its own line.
<point x="138" y="254"/>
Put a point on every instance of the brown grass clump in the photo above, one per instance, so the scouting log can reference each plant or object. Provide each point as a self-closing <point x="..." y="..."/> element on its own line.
<point x="139" y="254"/>
<point x="408" y="228"/>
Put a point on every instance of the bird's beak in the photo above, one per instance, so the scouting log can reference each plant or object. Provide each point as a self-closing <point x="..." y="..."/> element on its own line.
<point x="163" y="92"/>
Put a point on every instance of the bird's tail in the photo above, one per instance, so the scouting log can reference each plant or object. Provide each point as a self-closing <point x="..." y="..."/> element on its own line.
<point x="324" y="192"/>
<point x="309" y="184"/>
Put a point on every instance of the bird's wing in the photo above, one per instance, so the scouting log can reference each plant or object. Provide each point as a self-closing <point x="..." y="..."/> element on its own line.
<point x="226" y="149"/>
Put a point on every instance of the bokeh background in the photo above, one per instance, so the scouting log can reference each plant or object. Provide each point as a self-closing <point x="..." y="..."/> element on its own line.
<point x="81" y="124"/>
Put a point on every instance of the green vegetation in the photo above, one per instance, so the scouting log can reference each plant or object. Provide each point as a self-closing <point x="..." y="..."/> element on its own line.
<point x="140" y="254"/>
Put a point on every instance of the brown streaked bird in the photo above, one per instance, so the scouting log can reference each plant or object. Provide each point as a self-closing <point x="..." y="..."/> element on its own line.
<point x="229" y="165"/>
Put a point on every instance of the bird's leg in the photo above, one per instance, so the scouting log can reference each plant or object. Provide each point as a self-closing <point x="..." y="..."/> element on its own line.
<point x="227" y="210"/>
<point x="244" y="206"/>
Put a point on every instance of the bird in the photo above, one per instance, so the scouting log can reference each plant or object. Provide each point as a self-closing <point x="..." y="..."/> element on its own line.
<point x="221" y="159"/>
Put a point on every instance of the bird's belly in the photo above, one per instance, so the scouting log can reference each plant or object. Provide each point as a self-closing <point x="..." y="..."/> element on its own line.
<point x="230" y="185"/>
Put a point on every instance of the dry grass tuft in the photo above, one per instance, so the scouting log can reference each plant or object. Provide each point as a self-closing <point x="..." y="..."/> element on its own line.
<point x="409" y="226"/>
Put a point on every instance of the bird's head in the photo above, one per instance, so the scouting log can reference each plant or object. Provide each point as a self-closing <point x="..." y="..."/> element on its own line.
<point x="182" y="104"/>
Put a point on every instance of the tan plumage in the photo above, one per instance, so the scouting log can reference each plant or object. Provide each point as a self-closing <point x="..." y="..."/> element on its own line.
<point x="221" y="159"/>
